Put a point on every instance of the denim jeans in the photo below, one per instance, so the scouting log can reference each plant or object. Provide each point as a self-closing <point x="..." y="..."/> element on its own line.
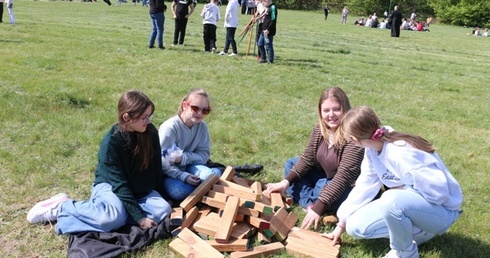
<point x="178" y="190"/>
<point x="397" y="215"/>
<point x="157" y="20"/>
<point x="306" y="191"/>
<point x="230" y="39"/>
<point x="104" y="212"/>
<point x="266" y="44"/>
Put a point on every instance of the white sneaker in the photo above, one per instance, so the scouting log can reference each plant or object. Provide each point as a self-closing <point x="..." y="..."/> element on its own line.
<point x="232" y="54"/>
<point x="412" y="252"/>
<point x="213" y="50"/>
<point x="422" y="237"/>
<point x="47" y="210"/>
<point x="222" y="53"/>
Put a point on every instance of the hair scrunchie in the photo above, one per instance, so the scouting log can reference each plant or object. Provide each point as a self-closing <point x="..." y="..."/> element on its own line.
<point x="380" y="132"/>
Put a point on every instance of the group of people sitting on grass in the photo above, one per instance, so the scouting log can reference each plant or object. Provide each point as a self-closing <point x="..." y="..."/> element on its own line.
<point x="477" y="32"/>
<point x="407" y="24"/>
<point x="379" y="182"/>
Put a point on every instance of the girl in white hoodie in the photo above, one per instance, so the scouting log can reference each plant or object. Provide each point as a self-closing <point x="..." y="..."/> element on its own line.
<point x="231" y="23"/>
<point x="423" y="199"/>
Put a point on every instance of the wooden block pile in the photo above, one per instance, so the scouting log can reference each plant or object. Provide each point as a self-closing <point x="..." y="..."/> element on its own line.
<point x="222" y="215"/>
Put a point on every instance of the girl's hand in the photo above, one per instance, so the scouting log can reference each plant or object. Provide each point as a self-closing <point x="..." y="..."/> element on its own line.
<point x="146" y="223"/>
<point x="276" y="187"/>
<point x="335" y="235"/>
<point x="193" y="180"/>
<point x="311" y="218"/>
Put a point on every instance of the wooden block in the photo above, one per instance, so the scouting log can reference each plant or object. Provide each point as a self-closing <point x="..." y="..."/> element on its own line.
<point x="276" y="200"/>
<point x="189" y="217"/>
<point x="233" y="245"/>
<point x="258" y="222"/>
<point x="209" y="225"/>
<point x="221" y="205"/>
<point x="288" y="224"/>
<point x="228" y="174"/>
<point x="314" y="238"/>
<point x="196" y="247"/>
<point x="262" y="238"/>
<point x="240" y="181"/>
<point x="235" y="186"/>
<point x="203" y="212"/>
<point x="277" y="220"/>
<point x="309" y="243"/>
<point x="235" y="192"/>
<point x="199" y="192"/>
<point x="256" y="205"/>
<point x="265" y="200"/>
<point x="226" y="223"/>
<point x="260" y="251"/>
<point x="176" y="217"/>
<point x="257" y="187"/>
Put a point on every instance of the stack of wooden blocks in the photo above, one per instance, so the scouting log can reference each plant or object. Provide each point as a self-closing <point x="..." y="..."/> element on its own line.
<point x="222" y="215"/>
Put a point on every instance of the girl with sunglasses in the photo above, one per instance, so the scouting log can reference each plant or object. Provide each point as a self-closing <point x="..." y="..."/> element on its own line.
<point x="423" y="199"/>
<point x="187" y="131"/>
<point x="323" y="176"/>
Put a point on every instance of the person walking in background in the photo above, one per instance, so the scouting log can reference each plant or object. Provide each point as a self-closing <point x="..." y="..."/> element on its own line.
<point x="326" y="10"/>
<point x="157" y="10"/>
<point x="266" y="39"/>
<point x="10" y="6"/>
<point x="188" y="133"/>
<point x="396" y="22"/>
<point x="231" y="23"/>
<point x="323" y="176"/>
<point x="243" y="4"/>
<point x="180" y="10"/>
<point x="423" y="199"/>
<point x="345" y="12"/>
<point x="210" y="16"/>
<point x="128" y="180"/>
<point x="1" y="11"/>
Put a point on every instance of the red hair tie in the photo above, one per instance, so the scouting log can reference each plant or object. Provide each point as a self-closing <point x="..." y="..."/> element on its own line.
<point x="380" y="132"/>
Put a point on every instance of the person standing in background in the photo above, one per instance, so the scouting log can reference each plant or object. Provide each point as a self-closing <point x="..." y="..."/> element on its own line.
<point x="10" y="4"/>
<point x="268" y="29"/>
<point x="157" y="10"/>
<point x="210" y="15"/>
<point x="231" y="23"/>
<point x="1" y="11"/>
<point x="326" y="10"/>
<point x="180" y="10"/>
<point x="345" y="12"/>
<point x="396" y="22"/>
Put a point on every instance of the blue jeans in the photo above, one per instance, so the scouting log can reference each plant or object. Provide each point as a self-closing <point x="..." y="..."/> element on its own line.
<point x="104" y="212"/>
<point x="178" y="190"/>
<point x="397" y="215"/>
<point x="306" y="191"/>
<point x="157" y="20"/>
<point x="230" y="39"/>
<point x="266" y="44"/>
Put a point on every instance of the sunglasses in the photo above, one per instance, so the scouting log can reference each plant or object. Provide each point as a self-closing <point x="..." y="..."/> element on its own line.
<point x="197" y="109"/>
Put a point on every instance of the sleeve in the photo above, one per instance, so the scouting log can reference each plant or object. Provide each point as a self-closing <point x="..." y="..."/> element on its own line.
<point x="366" y="188"/>
<point x="347" y="173"/>
<point x="307" y="162"/>
<point x="113" y="162"/>
<point x="168" y="136"/>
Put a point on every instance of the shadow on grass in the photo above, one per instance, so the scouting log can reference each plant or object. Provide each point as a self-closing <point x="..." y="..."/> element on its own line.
<point x="307" y="63"/>
<point x="11" y="41"/>
<point x="444" y="246"/>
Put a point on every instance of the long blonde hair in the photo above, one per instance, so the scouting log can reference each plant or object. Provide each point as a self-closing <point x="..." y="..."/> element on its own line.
<point x="362" y="122"/>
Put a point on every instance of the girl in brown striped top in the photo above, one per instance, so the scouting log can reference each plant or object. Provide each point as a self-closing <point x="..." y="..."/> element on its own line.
<point x="323" y="176"/>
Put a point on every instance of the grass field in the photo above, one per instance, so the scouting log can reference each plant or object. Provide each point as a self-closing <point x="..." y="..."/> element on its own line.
<point x="64" y="65"/>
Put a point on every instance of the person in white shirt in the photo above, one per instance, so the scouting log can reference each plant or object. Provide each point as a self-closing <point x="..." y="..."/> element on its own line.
<point x="231" y="23"/>
<point x="424" y="198"/>
<point x="210" y="16"/>
<point x="10" y="4"/>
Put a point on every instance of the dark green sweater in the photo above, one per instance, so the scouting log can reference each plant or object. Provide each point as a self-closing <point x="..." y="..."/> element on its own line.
<point x="118" y="167"/>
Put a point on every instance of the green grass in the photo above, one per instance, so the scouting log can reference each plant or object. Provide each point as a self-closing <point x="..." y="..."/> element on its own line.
<point x="64" y="65"/>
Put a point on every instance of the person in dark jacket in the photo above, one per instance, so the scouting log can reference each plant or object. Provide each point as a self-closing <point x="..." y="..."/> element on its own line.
<point x="396" y="22"/>
<point x="157" y="10"/>
<point x="128" y="178"/>
<point x="324" y="175"/>
<point x="265" y="41"/>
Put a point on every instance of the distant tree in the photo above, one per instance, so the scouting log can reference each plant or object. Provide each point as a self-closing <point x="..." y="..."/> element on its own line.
<point x="462" y="12"/>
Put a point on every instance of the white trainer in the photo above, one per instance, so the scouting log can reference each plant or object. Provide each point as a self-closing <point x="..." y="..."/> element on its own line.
<point x="47" y="210"/>
<point x="232" y="54"/>
<point x="413" y="252"/>
<point x="222" y="53"/>
<point x="422" y="237"/>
